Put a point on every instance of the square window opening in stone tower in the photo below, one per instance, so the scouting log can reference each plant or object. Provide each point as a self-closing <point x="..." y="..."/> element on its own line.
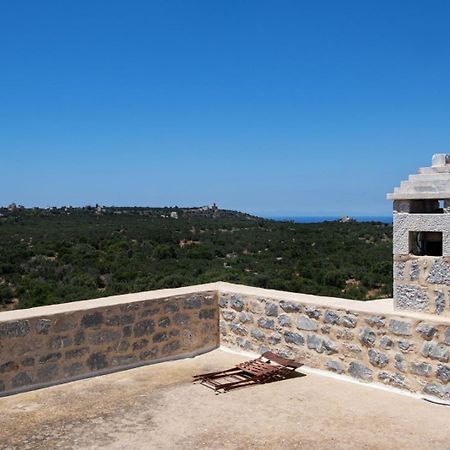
<point x="425" y="243"/>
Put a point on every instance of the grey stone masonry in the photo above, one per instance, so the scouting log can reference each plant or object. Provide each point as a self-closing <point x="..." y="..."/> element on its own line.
<point x="65" y="346"/>
<point x="421" y="239"/>
<point x="402" y="352"/>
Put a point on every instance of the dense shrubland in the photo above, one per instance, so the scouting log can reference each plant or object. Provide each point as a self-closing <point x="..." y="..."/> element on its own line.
<point x="59" y="256"/>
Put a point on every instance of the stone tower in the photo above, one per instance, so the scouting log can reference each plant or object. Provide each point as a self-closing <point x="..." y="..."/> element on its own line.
<point x="421" y="242"/>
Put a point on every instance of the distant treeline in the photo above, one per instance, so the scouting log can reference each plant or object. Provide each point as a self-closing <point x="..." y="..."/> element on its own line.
<point x="62" y="255"/>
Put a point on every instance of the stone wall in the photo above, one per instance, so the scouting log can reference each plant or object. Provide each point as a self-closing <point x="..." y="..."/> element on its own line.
<point x="401" y="351"/>
<point x="367" y="341"/>
<point x="44" y="346"/>
<point x="422" y="283"/>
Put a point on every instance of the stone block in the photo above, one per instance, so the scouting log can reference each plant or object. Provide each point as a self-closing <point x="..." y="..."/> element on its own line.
<point x="10" y="366"/>
<point x="393" y="379"/>
<point x="165" y="322"/>
<point x="443" y="373"/>
<point x="266" y="323"/>
<point x="228" y="315"/>
<point x="237" y="303"/>
<point x="257" y="334"/>
<point x="244" y="317"/>
<point x="290" y="307"/>
<point x="367" y="337"/>
<point x="406" y="346"/>
<point x="207" y="314"/>
<point x="171" y="308"/>
<point x="92" y="320"/>
<point x="400" y="363"/>
<point x="386" y="343"/>
<point x="47" y="373"/>
<point x="144" y="327"/>
<point x="104" y="337"/>
<point x="447" y="336"/>
<point x="435" y="351"/>
<point x="223" y="301"/>
<point x="170" y="347"/>
<point x="439" y="273"/>
<point x="76" y="353"/>
<point x="22" y="379"/>
<point x="312" y="312"/>
<point x="58" y="342"/>
<point x="359" y="371"/>
<point x="50" y="358"/>
<point x="400" y="328"/>
<point x="284" y="320"/>
<point x="439" y="302"/>
<point x="160" y="337"/>
<point x="437" y="390"/>
<point x="238" y="329"/>
<point x="423" y="369"/>
<point x="120" y="320"/>
<point x="97" y="361"/>
<point x="28" y="362"/>
<point x="410" y="297"/>
<point x="334" y="366"/>
<point x="376" y="321"/>
<point x="193" y="303"/>
<point x="331" y="317"/>
<point x="14" y="329"/>
<point x="349" y="321"/>
<point x="378" y="359"/>
<point x="271" y="310"/>
<point x="426" y="330"/>
<point x="42" y="326"/>
<point x="293" y="338"/>
<point x="124" y="360"/>
<point x="304" y="323"/>
<point x="275" y="339"/>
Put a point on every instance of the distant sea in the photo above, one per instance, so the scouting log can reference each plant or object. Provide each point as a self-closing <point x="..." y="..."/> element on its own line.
<point x="318" y="219"/>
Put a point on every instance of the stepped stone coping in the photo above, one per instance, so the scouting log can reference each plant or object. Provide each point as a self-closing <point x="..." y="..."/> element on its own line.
<point x="383" y="306"/>
<point x="429" y="183"/>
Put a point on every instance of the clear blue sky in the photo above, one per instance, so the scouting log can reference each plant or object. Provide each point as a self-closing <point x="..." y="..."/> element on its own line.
<point x="275" y="107"/>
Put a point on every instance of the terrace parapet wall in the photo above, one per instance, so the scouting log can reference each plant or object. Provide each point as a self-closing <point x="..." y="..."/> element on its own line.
<point x="54" y="344"/>
<point x="367" y="341"/>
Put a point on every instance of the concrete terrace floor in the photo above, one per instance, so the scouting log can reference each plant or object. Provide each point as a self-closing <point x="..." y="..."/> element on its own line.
<point x="157" y="407"/>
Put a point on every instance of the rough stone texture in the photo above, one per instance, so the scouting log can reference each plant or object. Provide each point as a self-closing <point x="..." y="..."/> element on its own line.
<point x="443" y="373"/>
<point x="386" y="348"/>
<point x="386" y="343"/>
<point x="59" y="347"/>
<point x="290" y="307"/>
<point x="334" y="366"/>
<point x="293" y="338"/>
<point x="411" y="297"/>
<point x="405" y="352"/>
<point x="377" y="359"/>
<point x="400" y="328"/>
<point x="304" y="323"/>
<point x="357" y="370"/>
<point x="424" y="369"/>
<point x="435" y="351"/>
<point x="439" y="302"/>
<point x="426" y="330"/>
<point x="367" y="337"/>
<point x="439" y="273"/>
<point x="271" y="309"/>
<point x="284" y="320"/>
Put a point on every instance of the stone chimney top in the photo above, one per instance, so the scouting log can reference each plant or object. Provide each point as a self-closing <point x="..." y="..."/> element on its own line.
<point x="429" y="182"/>
<point x="441" y="159"/>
